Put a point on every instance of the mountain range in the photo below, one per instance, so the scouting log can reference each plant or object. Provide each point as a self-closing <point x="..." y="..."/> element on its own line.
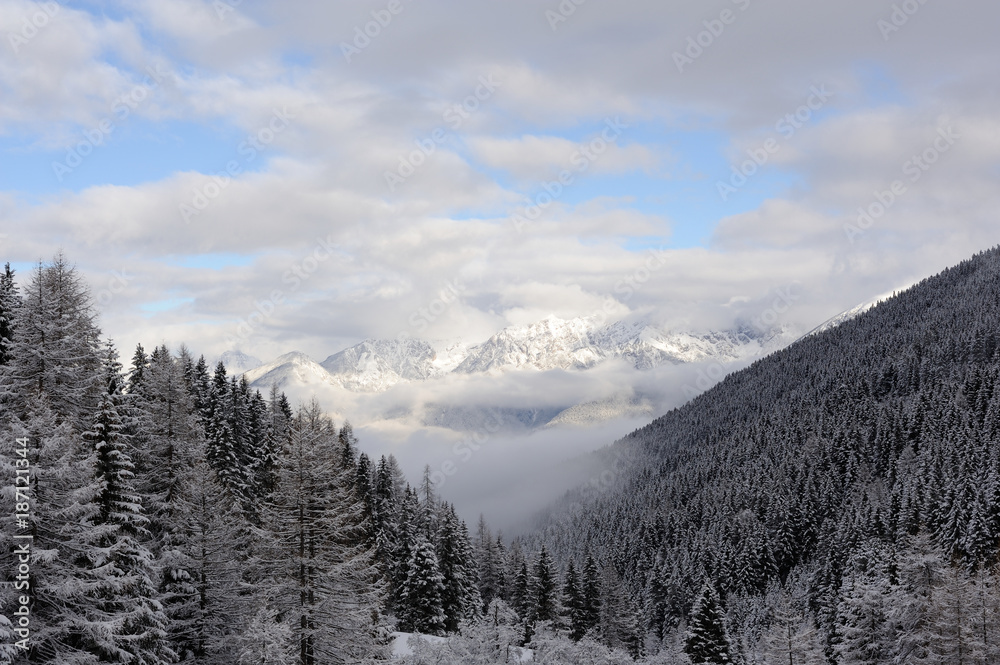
<point x="578" y="346"/>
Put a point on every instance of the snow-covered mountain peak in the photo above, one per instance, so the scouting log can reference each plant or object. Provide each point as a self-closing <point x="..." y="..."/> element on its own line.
<point x="294" y="367"/>
<point x="375" y="365"/>
<point x="551" y="343"/>
<point x="237" y="362"/>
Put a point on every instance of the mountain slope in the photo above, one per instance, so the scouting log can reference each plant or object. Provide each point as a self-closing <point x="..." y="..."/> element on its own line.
<point x="375" y="365"/>
<point x="549" y="344"/>
<point x="292" y="368"/>
<point x="237" y="362"/>
<point x="819" y="466"/>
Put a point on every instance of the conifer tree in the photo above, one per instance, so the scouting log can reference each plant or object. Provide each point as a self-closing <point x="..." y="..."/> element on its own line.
<point x="223" y="431"/>
<point x="321" y="568"/>
<point x="10" y="301"/>
<point x="591" y="593"/>
<point x="521" y="595"/>
<point x="863" y="624"/>
<point x="55" y="354"/>
<point x="423" y="590"/>
<point x="544" y="599"/>
<point x="267" y="640"/>
<point x="126" y="621"/>
<point x="792" y="638"/>
<point x="707" y="640"/>
<point x="573" y="599"/>
<point x="140" y="361"/>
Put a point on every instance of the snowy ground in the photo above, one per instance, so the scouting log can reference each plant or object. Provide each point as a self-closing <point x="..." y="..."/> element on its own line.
<point x="401" y="646"/>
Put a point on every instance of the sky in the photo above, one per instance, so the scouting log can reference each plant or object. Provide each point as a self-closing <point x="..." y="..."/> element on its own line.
<point x="279" y="176"/>
<point x="269" y="177"/>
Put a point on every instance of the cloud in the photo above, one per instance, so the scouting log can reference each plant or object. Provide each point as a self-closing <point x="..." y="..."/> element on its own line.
<point x="536" y="158"/>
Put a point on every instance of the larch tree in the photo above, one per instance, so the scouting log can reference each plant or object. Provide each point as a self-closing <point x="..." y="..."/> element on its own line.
<point x="320" y="566"/>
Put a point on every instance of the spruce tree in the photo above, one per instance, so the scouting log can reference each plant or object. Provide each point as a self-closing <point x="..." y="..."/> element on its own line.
<point x="10" y="301"/>
<point x="544" y="599"/>
<point x="123" y="597"/>
<point x="573" y="599"/>
<point x="591" y="592"/>
<point x="423" y="591"/>
<point x="55" y="354"/>
<point x="707" y="640"/>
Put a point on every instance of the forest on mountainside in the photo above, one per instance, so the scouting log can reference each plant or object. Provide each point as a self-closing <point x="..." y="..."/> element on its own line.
<point x="837" y="501"/>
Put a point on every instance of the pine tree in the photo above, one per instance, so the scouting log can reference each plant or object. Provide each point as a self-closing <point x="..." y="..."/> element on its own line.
<point x="521" y="595"/>
<point x="792" y="638"/>
<point x="387" y="498"/>
<point x="489" y="564"/>
<point x="348" y="444"/>
<point x="863" y="612"/>
<point x="226" y="435"/>
<point x="619" y="621"/>
<point x="203" y="565"/>
<point x="707" y="640"/>
<point x="139" y="364"/>
<point x="407" y="532"/>
<point x="124" y="596"/>
<point x="267" y="640"/>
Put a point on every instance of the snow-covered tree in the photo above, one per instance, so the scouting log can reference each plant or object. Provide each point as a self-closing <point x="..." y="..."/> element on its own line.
<point x="707" y="639"/>
<point x="422" y="591"/>
<point x="321" y="568"/>
<point x="267" y="640"/>
<point x="55" y="353"/>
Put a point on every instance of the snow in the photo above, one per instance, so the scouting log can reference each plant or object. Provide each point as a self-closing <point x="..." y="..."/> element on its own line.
<point x="401" y="646"/>
<point x="401" y="643"/>
<point x="854" y="312"/>
<point x="296" y="368"/>
<point x="237" y="362"/>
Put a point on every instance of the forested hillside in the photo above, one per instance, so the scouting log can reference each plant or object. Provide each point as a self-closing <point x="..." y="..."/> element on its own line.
<point x="838" y="501"/>
<point x="167" y="513"/>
